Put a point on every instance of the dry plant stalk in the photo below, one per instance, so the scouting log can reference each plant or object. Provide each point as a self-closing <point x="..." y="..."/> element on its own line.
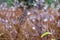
<point x="29" y="25"/>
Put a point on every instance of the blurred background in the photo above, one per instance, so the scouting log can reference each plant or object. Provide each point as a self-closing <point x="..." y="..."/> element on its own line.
<point x="29" y="19"/>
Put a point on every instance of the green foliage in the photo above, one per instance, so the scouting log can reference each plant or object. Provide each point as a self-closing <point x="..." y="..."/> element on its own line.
<point x="59" y="1"/>
<point x="49" y="1"/>
<point x="10" y="2"/>
<point x="46" y="33"/>
<point x="28" y="2"/>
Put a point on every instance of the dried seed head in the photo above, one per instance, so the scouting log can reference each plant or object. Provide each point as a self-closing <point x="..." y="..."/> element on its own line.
<point x="45" y="20"/>
<point x="58" y="23"/>
<point x="51" y="18"/>
<point x="28" y="13"/>
<point x="33" y="28"/>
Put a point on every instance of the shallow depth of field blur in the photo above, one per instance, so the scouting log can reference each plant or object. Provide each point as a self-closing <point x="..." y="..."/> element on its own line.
<point x="29" y="19"/>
